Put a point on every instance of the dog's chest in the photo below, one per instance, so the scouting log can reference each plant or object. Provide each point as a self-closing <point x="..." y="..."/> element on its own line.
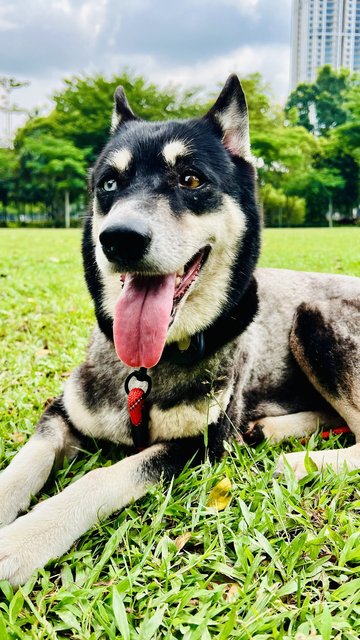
<point x="187" y="419"/>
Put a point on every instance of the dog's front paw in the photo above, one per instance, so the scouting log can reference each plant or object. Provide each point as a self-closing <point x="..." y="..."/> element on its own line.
<point x="21" y="552"/>
<point x="28" y="544"/>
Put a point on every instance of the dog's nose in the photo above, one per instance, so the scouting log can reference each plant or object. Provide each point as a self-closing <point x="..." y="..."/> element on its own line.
<point x="127" y="242"/>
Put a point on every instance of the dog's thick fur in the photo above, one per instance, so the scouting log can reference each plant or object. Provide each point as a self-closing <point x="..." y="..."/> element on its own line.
<point x="280" y="349"/>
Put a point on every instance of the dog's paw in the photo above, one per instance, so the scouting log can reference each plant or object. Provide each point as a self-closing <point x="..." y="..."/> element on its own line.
<point x="28" y="544"/>
<point x="21" y="552"/>
<point x="296" y="461"/>
<point x="303" y="462"/>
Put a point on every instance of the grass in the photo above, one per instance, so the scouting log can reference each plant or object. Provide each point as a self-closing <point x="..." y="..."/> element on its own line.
<point x="281" y="561"/>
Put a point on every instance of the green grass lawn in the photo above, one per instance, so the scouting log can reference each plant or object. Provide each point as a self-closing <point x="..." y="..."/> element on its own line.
<point x="281" y="561"/>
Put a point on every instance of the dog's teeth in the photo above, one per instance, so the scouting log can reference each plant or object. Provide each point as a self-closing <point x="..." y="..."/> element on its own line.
<point x="178" y="280"/>
<point x="181" y="272"/>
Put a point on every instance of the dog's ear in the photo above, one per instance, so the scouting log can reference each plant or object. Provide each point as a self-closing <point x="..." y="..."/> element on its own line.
<point x="122" y="111"/>
<point x="230" y="115"/>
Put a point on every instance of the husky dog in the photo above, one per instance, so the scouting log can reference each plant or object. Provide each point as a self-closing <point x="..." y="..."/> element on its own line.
<point x="170" y="249"/>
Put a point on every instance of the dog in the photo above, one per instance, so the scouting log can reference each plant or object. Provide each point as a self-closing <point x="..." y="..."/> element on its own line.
<point x="194" y="345"/>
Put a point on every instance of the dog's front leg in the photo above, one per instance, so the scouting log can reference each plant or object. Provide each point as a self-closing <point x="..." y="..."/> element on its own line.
<point x="30" y="468"/>
<point x="52" y="526"/>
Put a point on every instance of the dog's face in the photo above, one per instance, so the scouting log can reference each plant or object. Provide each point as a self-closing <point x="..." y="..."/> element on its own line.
<point x="173" y="209"/>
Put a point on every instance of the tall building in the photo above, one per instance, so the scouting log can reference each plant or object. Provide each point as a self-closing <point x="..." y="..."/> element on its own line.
<point x="324" y="32"/>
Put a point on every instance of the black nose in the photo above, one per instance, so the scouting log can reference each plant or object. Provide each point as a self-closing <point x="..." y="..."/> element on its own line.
<point x="126" y="242"/>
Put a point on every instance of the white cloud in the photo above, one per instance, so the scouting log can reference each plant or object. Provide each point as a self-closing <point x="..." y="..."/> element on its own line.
<point x="192" y="43"/>
<point x="6" y="22"/>
<point x="272" y="61"/>
<point x="243" y="6"/>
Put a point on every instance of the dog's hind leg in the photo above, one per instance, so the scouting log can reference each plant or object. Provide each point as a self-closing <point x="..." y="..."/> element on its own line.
<point x="325" y="340"/>
<point x="30" y="468"/>
<point x="49" y="529"/>
<point x="293" y="425"/>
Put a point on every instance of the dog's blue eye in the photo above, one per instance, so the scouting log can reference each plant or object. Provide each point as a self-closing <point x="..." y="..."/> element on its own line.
<point x="110" y="185"/>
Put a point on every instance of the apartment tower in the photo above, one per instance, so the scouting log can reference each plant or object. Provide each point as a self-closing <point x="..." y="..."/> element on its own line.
<point x="324" y="32"/>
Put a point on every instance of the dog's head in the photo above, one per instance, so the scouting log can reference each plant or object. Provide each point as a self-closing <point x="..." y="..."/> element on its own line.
<point x="174" y="228"/>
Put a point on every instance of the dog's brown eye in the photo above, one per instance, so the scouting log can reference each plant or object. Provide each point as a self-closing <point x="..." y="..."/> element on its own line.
<point x="190" y="180"/>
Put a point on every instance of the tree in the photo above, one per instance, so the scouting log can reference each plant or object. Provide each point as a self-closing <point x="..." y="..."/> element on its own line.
<point x="280" y="209"/>
<point x="83" y="109"/>
<point x="8" y="165"/>
<point x="320" y="105"/>
<point x="333" y="101"/>
<point x="56" y="168"/>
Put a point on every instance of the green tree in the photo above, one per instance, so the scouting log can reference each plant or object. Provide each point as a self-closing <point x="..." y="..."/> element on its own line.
<point x="55" y="168"/>
<point x="8" y="167"/>
<point x="281" y="209"/>
<point x="82" y="112"/>
<point x="332" y="180"/>
<point x="320" y="105"/>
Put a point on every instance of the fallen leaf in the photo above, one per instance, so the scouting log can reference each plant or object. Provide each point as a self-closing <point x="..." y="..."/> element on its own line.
<point x="17" y="436"/>
<point x="181" y="541"/>
<point x="42" y="352"/>
<point x="232" y="592"/>
<point x="220" y="497"/>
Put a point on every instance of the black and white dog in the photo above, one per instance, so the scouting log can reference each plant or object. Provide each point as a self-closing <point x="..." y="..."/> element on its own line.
<point x="170" y="249"/>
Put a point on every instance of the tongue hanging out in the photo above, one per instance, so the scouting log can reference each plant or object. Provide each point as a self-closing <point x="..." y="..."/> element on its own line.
<point x="142" y="317"/>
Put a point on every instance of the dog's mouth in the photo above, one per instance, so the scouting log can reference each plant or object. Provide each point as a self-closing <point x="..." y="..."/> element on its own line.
<point x="186" y="276"/>
<point x="146" y="308"/>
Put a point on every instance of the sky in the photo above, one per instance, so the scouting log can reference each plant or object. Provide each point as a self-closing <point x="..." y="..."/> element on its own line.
<point x="183" y="42"/>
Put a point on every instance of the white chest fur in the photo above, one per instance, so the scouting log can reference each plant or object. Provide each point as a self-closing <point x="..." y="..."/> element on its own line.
<point x="186" y="420"/>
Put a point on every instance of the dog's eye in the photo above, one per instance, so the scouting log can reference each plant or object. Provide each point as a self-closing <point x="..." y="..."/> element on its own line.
<point x="190" y="180"/>
<point x="109" y="185"/>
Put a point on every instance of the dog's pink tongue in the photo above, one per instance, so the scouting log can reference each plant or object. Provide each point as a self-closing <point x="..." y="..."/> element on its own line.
<point x="142" y="317"/>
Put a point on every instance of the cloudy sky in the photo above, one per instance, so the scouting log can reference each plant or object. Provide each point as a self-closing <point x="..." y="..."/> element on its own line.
<point x="188" y="42"/>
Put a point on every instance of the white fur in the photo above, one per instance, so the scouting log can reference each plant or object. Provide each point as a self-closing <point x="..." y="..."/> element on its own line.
<point x="97" y="221"/>
<point x="175" y="149"/>
<point x="28" y="472"/>
<point x="107" y="422"/>
<point x="53" y="525"/>
<point x="337" y="459"/>
<point x="236" y="130"/>
<point x="204" y="301"/>
<point x="120" y="159"/>
<point x="296" y="425"/>
<point x="187" y="420"/>
<point x="174" y="243"/>
<point x="115" y="121"/>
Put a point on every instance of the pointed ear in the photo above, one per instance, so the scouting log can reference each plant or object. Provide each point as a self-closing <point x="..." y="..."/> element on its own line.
<point x="230" y="114"/>
<point x="122" y="111"/>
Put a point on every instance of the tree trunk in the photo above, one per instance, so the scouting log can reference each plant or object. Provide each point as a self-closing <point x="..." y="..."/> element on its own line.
<point x="330" y="212"/>
<point x="67" y="209"/>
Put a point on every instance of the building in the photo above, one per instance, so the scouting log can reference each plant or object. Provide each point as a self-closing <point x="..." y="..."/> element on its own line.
<point x="324" y="32"/>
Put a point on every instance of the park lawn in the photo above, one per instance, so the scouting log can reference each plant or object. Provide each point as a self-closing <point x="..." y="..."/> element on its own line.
<point x="281" y="559"/>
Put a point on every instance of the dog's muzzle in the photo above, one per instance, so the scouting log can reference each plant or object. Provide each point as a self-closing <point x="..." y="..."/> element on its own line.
<point x="125" y="243"/>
